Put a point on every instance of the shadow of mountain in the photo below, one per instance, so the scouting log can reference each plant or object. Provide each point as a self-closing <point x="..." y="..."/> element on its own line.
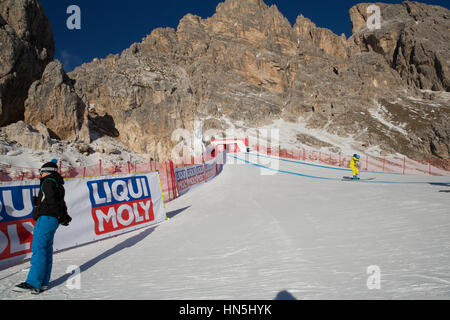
<point x="284" y="295"/>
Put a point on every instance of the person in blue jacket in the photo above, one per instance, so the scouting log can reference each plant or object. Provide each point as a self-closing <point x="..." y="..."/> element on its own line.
<point x="49" y="212"/>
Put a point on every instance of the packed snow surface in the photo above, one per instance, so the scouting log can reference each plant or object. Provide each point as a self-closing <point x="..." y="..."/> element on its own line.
<point x="254" y="232"/>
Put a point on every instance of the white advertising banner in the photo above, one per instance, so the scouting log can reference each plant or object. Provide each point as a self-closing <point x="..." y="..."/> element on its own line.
<point x="189" y="177"/>
<point x="100" y="207"/>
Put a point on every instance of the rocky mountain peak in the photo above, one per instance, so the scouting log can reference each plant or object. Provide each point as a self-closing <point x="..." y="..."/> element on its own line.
<point x="414" y="38"/>
<point x="406" y="13"/>
<point x="28" y="20"/>
<point x="238" y="6"/>
<point x="246" y="67"/>
<point x="27" y="46"/>
<point x="251" y="19"/>
<point x="246" y="64"/>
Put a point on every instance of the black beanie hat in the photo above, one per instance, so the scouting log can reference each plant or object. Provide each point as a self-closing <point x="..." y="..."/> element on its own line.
<point x="49" y="167"/>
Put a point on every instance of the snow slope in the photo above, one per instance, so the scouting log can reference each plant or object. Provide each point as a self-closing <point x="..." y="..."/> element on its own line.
<point x="252" y="233"/>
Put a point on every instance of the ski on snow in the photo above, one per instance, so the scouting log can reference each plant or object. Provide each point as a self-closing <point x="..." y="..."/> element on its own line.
<point x="351" y="179"/>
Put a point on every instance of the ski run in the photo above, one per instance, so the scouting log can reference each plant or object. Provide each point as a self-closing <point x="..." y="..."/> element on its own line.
<point x="265" y="227"/>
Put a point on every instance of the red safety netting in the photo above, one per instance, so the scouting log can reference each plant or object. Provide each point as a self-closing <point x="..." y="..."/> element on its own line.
<point x="165" y="169"/>
<point x="403" y="165"/>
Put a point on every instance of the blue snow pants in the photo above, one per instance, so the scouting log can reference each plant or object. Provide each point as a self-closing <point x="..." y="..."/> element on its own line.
<point x="42" y="248"/>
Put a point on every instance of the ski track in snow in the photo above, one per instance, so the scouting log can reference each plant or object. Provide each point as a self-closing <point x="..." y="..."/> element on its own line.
<point x="248" y="235"/>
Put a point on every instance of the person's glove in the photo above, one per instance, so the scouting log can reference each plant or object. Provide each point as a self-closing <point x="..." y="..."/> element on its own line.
<point x="65" y="220"/>
<point x="35" y="201"/>
<point x="35" y="208"/>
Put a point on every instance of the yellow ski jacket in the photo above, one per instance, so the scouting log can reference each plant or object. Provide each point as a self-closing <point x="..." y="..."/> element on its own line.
<point x="353" y="166"/>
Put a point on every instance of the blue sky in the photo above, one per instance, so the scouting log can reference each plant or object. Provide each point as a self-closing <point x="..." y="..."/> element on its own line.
<point x="112" y="26"/>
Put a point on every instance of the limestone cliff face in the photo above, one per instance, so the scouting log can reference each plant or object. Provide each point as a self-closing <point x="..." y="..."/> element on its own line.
<point x="324" y="39"/>
<point x="53" y="102"/>
<point x="26" y="47"/>
<point x="414" y="39"/>
<point x="247" y="66"/>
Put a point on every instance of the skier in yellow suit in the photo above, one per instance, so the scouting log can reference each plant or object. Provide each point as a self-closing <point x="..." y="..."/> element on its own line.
<point x="354" y="166"/>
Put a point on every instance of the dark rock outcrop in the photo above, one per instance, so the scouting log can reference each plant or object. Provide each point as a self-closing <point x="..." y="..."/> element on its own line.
<point x="52" y="101"/>
<point x="26" y="48"/>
